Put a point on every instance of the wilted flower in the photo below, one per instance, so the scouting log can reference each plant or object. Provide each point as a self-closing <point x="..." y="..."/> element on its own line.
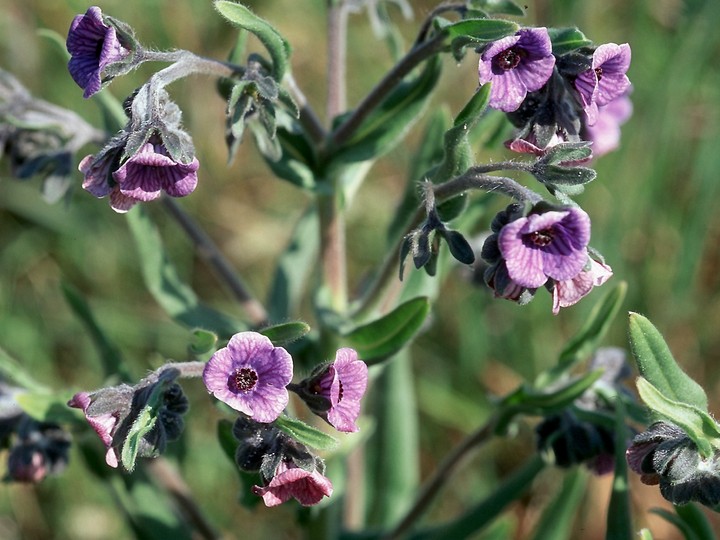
<point x="251" y="376"/>
<point x="516" y="65"/>
<point x="334" y="390"/>
<point x="94" y="45"/>
<point x="665" y="455"/>
<point x="549" y="244"/>
<point x="605" y="80"/>
<point x="291" y="482"/>
<point x="150" y="171"/>
<point x="570" y="291"/>
<point x="112" y="411"/>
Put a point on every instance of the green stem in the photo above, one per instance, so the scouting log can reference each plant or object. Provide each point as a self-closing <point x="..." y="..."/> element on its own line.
<point x="473" y="179"/>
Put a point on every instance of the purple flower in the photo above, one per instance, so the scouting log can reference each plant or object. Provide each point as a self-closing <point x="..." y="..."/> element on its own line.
<point x="93" y="45"/>
<point x="334" y="390"/>
<point x="551" y="244"/>
<point x="251" y="376"/>
<point x="112" y="411"/>
<point x="570" y="291"/>
<point x="150" y="171"/>
<point x="516" y="65"/>
<point x="290" y="481"/>
<point x="605" y="80"/>
<point x="605" y="132"/>
<point x="104" y="410"/>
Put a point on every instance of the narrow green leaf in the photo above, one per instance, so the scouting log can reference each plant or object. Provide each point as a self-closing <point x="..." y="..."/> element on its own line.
<point x="542" y="402"/>
<point x="162" y="280"/>
<point x="457" y="151"/>
<point x="294" y="267"/>
<point x="392" y="472"/>
<point x="385" y="336"/>
<point x="590" y="335"/>
<point x="676" y="520"/>
<point x="388" y="124"/>
<point x="696" y="520"/>
<point x="558" y="517"/>
<point x="565" y="40"/>
<point x="481" y="30"/>
<point x="619" y="518"/>
<point x="698" y="424"/>
<point x="282" y="334"/>
<point x="657" y="365"/>
<point x="306" y="434"/>
<point x="498" y="7"/>
<point x="46" y="407"/>
<point x="475" y="107"/>
<point x="565" y="152"/>
<point x="277" y="46"/>
<point x="141" y="426"/>
<point x="559" y="176"/>
<point x="110" y="355"/>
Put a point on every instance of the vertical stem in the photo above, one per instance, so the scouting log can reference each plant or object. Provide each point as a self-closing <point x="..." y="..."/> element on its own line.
<point x="332" y="248"/>
<point x="330" y="205"/>
<point x="336" y="58"/>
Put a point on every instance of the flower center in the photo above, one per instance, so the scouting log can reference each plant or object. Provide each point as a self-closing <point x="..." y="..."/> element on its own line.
<point x="242" y="380"/>
<point x="599" y="73"/>
<point x="509" y="58"/>
<point x="541" y="238"/>
<point x="340" y="392"/>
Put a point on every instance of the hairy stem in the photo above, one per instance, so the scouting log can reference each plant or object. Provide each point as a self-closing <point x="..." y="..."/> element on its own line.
<point x="308" y="118"/>
<point x="337" y="58"/>
<point x="431" y="488"/>
<point x="473" y="179"/>
<point x="213" y="257"/>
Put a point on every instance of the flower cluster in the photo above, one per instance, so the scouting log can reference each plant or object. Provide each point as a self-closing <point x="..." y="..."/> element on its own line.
<point x="578" y="95"/>
<point x="544" y="245"/>
<point x="253" y="376"/>
<point x="665" y="455"/>
<point x="287" y="468"/>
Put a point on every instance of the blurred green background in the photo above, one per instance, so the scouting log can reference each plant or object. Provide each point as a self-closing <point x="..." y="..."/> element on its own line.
<point x="653" y="208"/>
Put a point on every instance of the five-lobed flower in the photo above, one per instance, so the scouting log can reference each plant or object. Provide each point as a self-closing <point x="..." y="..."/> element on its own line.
<point x="516" y="65"/>
<point x="549" y="244"/>
<point x="251" y="376"/>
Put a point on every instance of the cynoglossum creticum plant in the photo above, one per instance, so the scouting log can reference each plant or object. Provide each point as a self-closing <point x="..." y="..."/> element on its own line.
<point x="558" y="90"/>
